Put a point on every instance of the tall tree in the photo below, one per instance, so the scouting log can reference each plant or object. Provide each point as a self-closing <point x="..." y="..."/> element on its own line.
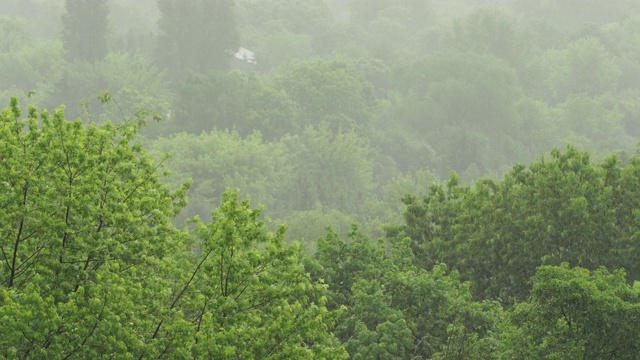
<point x="91" y="265"/>
<point x="85" y="225"/>
<point x="197" y="35"/>
<point x="84" y="32"/>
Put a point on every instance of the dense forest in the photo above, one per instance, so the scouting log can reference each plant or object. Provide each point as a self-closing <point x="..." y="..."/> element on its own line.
<point x="320" y="179"/>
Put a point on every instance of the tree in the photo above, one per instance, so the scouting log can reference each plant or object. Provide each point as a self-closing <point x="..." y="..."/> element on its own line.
<point x="397" y="311"/>
<point x="134" y="82"/>
<point x="489" y="30"/>
<point x="234" y="101"/>
<point x="329" y="91"/>
<point x="247" y="294"/>
<point x="196" y="35"/>
<point x="26" y="66"/>
<point x="560" y="209"/>
<point x="332" y="170"/>
<point x="92" y="266"/>
<point x="86" y="229"/>
<point x="217" y="160"/>
<point x="390" y="28"/>
<point x="84" y="33"/>
<point x="281" y="29"/>
<point x="577" y="14"/>
<point x="575" y="314"/>
<point x="464" y="106"/>
<point x="582" y="67"/>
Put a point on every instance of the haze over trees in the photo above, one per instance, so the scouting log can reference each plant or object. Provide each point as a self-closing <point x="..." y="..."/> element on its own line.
<point x="331" y="179"/>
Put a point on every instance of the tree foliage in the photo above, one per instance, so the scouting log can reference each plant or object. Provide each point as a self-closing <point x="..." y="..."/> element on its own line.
<point x="559" y="209"/>
<point x="575" y="314"/>
<point x="87" y="225"/>
<point x="92" y="266"/>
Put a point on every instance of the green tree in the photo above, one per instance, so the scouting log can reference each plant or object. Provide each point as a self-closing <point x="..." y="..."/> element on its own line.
<point x="13" y="35"/>
<point x="234" y="101"/>
<point x="27" y="66"/>
<point x="197" y="35"/>
<point x="593" y="124"/>
<point x="582" y="67"/>
<point x="332" y="170"/>
<point x="86" y="230"/>
<point x="217" y="160"/>
<point x="575" y="14"/>
<point x="280" y="29"/>
<point x="92" y="266"/>
<point x="464" y="106"/>
<point x="247" y="294"/>
<point x="133" y="81"/>
<point x="330" y="91"/>
<point x="396" y="311"/>
<point x="575" y="314"/>
<point x="84" y="33"/>
<point x="490" y="30"/>
<point x="389" y="28"/>
<point x="560" y="209"/>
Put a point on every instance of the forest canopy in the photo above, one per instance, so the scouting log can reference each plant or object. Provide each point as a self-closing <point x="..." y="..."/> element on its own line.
<point x="332" y="179"/>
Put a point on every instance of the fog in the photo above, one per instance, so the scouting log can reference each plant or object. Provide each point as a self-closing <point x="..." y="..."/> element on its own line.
<point x="409" y="87"/>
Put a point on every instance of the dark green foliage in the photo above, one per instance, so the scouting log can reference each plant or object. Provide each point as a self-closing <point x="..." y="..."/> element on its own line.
<point x="85" y="27"/>
<point x="396" y="311"/>
<point x="560" y="209"/>
<point x="572" y="314"/>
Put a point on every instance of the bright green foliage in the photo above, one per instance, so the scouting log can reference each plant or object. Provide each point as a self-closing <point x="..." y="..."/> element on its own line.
<point x="560" y="209"/>
<point x="248" y="294"/>
<point x="86" y="228"/>
<point x="572" y="314"/>
<point x="92" y="266"/>
<point x="84" y="32"/>
<point x="197" y="35"/>
<point x="396" y="311"/>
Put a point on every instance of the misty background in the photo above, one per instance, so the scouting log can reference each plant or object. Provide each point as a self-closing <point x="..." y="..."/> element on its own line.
<point x="327" y="112"/>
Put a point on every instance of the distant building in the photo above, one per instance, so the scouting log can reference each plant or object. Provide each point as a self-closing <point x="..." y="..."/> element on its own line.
<point x="246" y="55"/>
